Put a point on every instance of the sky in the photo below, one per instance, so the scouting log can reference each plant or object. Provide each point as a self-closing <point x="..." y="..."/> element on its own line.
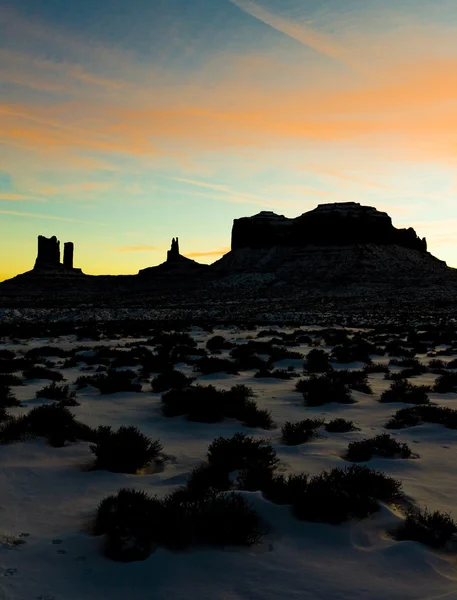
<point x="124" y="123"/>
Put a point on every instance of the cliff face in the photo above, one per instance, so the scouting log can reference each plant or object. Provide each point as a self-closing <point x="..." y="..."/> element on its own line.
<point x="338" y="224"/>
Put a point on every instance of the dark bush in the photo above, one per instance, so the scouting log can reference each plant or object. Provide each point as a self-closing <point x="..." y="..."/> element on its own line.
<point x="382" y="445"/>
<point x="411" y="363"/>
<point x="446" y="383"/>
<point x="59" y="393"/>
<point x="171" y="379"/>
<point x="133" y="521"/>
<point x="207" y="478"/>
<point x="431" y="528"/>
<point x="218" y="342"/>
<point x="42" y="373"/>
<point x="124" y="451"/>
<point x="45" y="351"/>
<point x="317" y="361"/>
<point x="340" y="495"/>
<point x="7" y="398"/>
<point x="282" y="489"/>
<point x="324" y="389"/>
<point x="53" y="422"/>
<point x="340" y="426"/>
<point x="376" y="368"/>
<point x="252" y="416"/>
<point x="7" y="379"/>
<point x="405" y="373"/>
<point x="111" y="382"/>
<point x="404" y="391"/>
<point x="207" y="365"/>
<point x="241" y="452"/>
<point x="293" y="434"/>
<point x="283" y="374"/>
<point x="409" y="417"/>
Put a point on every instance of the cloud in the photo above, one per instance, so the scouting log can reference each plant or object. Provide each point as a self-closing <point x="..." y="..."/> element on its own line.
<point x="38" y="216"/>
<point x="303" y="33"/>
<point x="219" y="252"/>
<point x="20" y="197"/>
<point x="136" y="249"/>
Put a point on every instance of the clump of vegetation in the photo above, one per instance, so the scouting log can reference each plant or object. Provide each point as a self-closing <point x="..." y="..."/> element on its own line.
<point x="59" y="393"/>
<point x="319" y="390"/>
<point x="206" y="404"/>
<point x="7" y="398"/>
<point x="293" y="434"/>
<point x="376" y="368"/>
<point x="339" y="495"/>
<point x="411" y="363"/>
<point x="45" y="351"/>
<point x="53" y="422"/>
<point x="37" y="372"/>
<point x="446" y="383"/>
<point x="217" y="343"/>
<point x="126" y="450"/>
<point x="434" y="529"/>
<point x="207" y="365"/>
<point x="111" y="382"/>
<point x="7" y="379"/>
<point x="284" y="374"/>
<point x="382" y="445"/>
<point x="404" y="391"/>
<point x="317" y="361"/>
<point x="340" y="426"/>
<point x="170" y="379"/>
<point x="241" y="452"/>
<point x="133" y="522"/>
<point x="415" y="415"/>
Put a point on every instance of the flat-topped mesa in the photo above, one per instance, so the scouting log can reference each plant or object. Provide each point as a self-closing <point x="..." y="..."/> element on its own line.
<point x="343" y="223"/>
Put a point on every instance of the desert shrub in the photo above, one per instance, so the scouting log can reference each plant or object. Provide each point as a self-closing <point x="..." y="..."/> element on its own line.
<point x="7" y="379"/>
<point x="206" y="478"/>
<point x="218" y="342"/>
<point x="7" y="398"/>
<point x="404" y="391"/>
<point x="200" y="403"/>
<point x="447" y="382"/>
<point x="452" y="364"/>
<point x="282" y="489"/>
<point x="241" y="452"/>
<point x="319" y="390"/>
<point x="206" y="404"/>
<point x="13" y="365"/>
<point x="126" y="450"/>
<point x="396" y="348"/>
<point x="37" y="372"/>
<point x="431" y="528"/>
<point x="409" y="417"/>
<point x="293" y="434"/>
<point x="6" y="354"/>
<point x="252" y="361"/>
<point x="376" y="368"/>
<point x="411" y="363"/>
<point x="170" y="379"/>
<point x="317" y="361"/>
<point x="437" y="365"/>
<point x="284" y="374"/>
<point x="348" y="353"/>
<point x="405" y="373"/>
<point x="208" y="365"/>
<point x="111" y="382"/>
<point x="44" y="351"/>
<point x="59" y="393"/>
<point x="340" y="426"/>
<point x="382" y="445"/>
<point x="53" y="422"/>
<point x="133" y="521"/>
<point x="172" y="339"/>
<point x="340" y="495"/>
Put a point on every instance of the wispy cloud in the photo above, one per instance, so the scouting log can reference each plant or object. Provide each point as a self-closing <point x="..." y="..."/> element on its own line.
<point x="20" y="198"/>
<point x="302" y="32"/>
<point x="219" y="252"/>
<point x="136" y="249"/>
<point x="17" y="213"/>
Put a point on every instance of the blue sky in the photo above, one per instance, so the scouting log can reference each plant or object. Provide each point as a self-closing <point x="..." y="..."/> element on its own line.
<point x="123" y="124"/>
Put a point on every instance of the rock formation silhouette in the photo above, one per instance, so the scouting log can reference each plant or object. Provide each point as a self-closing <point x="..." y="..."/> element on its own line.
<point x="173" y="253"/>
<point x="48" y="257"/>
<point x="68" y="251"/>
<point x="343" y="223"/>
